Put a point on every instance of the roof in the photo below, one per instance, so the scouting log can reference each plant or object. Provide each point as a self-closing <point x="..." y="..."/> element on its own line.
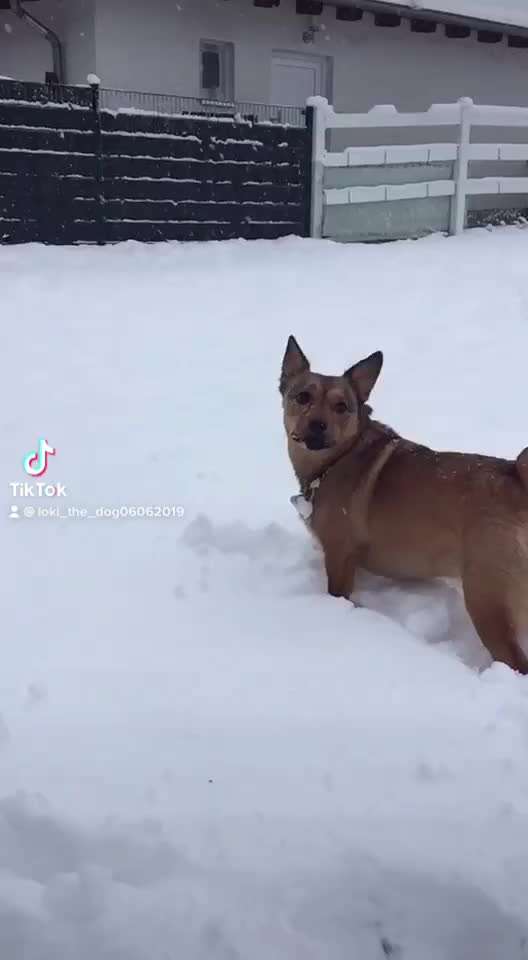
<point x="512" y="13"/>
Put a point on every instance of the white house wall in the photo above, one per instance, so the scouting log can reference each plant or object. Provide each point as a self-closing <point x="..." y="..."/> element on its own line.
<point x="25" y="55"/>
<point x="79" y="39"/>
<point x="376" y="65"/>
<point x="154" y="46"/>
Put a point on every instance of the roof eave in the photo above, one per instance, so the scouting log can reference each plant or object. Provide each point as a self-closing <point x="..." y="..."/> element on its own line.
<point x="424" y="13"/>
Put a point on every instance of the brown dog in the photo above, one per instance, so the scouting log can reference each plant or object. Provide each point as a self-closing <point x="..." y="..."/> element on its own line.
<point x="398" y="509"/>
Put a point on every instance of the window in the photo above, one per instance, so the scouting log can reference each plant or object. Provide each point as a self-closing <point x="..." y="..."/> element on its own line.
<point x="217" y="70"/>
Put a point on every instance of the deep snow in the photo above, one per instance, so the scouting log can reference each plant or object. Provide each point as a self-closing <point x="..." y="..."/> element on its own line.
<point x="202" y="755"/>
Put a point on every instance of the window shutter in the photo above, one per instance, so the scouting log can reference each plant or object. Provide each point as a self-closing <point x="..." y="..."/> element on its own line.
<point x="210" y="69"/>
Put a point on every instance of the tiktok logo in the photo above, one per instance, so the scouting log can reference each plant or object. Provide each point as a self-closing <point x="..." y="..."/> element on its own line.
<point x="36" y="462"/>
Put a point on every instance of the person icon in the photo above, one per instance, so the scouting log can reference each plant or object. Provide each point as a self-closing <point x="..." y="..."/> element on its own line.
<point x="14" y="514"/>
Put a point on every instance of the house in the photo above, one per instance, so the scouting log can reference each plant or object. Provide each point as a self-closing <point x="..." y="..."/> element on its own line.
<point x="358" y="53"/>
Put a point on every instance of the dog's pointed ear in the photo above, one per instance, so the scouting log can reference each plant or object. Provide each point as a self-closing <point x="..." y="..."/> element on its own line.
<point x="294" y="362"/>
<point x="363" y="375"/>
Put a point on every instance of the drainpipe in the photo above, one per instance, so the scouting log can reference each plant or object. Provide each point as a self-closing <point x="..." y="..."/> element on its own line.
<point x="47" y="32"/>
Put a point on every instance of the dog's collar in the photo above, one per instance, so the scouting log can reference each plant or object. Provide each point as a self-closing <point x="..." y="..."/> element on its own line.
<point x="303" y="501"/>
<point x="308" y="489"/>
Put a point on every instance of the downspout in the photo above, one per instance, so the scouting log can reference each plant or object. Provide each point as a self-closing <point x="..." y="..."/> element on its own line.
<point x="47" y="32"/>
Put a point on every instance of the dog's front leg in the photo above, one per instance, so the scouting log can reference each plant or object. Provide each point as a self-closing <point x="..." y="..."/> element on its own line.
<point x="341" y="572"/>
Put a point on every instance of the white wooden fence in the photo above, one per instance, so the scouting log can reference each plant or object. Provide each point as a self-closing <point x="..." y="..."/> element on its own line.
<point x="464" y="116"/>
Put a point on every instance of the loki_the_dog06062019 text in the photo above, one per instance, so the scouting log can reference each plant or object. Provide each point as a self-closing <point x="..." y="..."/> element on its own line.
<point x="379" y="502"/>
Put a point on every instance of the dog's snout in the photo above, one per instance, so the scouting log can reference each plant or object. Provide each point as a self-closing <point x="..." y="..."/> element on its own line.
<point x="316" y="437"/>
<point x="317" y="426"/>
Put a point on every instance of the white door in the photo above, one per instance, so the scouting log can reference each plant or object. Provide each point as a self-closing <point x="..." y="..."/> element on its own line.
<point x="295" y="77"/>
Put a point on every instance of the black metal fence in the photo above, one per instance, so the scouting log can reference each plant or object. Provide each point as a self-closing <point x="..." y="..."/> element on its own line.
<point x="170" y="105"/>
<point x="18" y="91"/>
<point x="80" y="164"/>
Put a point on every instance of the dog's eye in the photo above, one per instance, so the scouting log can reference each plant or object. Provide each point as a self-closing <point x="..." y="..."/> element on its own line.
<point x="303" y="398"/>
<point x="341" y="407"/>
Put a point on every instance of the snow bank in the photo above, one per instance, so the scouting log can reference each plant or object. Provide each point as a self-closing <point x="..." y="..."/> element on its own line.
<point x="202" y="755"/>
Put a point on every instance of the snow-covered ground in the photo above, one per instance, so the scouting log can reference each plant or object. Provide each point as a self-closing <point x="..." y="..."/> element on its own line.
<point x="202" y="756"/>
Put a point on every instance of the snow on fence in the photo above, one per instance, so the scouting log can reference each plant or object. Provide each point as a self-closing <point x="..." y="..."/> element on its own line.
<point x="418" y="186"/>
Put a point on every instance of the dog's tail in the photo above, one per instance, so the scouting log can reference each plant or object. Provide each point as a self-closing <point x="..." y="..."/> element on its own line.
<point x="521" y="465"/>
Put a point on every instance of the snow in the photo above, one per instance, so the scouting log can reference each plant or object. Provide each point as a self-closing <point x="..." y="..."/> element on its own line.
<point x="203" y="755"/>
<point x="509" y="12"/>
<point x="438" y="114"/>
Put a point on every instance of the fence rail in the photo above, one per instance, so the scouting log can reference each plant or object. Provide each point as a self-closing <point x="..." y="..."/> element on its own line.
<point x="171" y="105"/>
<point x="402" y="176"/>
<point x="161" y="104"/>
<point x="45" y="93"/>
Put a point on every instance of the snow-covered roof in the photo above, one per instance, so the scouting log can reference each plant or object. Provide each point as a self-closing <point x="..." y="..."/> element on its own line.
<point x="511" y="12"/>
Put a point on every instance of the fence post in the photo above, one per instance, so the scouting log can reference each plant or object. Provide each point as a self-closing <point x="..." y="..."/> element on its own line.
<point x="458" y="201"/>
<point x="307" y="171"/>
<point x="94" y="82"/>
<point x="320" y="107"/>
